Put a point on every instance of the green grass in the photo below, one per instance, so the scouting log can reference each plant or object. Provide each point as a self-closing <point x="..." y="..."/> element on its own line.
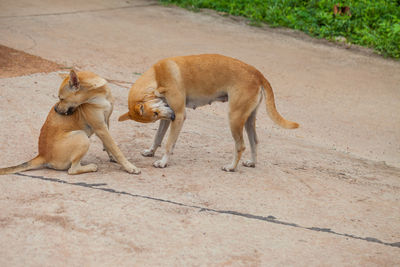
<point x="373" y="23"/>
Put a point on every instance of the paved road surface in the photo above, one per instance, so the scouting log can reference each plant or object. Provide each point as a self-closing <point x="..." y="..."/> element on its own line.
<point x="325" y="194"/>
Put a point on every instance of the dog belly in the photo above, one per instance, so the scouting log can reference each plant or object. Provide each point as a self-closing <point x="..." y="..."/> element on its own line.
<point x="194" y="102"/>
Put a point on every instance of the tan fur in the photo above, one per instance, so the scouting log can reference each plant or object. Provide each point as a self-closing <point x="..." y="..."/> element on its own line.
<point x="84" y="108"/>
<point x="172" y="84"/>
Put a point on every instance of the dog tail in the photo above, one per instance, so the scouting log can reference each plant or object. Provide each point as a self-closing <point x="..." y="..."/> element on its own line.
<point x="34" y="163"/>
<point x="271" y="108"/>
<point x="124" y="117"/>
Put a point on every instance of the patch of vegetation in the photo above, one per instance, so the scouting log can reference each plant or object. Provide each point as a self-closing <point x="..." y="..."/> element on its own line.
<point x="374" y="24"/>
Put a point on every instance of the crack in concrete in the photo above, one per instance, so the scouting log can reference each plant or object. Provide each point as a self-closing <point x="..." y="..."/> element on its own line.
<point x="79" y="11"/>
<point x="34" y="43"/>
<point x="270" y="219"/>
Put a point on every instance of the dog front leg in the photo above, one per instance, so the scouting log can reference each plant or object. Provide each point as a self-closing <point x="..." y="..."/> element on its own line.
<point x="162" y="129"/>
<point x="111" y="146"/>
<point x="110" y="156"/>
<point x="176" y="127"/>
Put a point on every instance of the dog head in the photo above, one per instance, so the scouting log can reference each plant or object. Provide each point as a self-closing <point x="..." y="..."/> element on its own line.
<point x="151" y="110"/>
<point x="76" y="89"/>
<point x="146" y="105"/>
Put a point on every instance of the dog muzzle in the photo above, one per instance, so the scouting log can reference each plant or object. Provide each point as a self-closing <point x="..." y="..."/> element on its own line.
<point x="69" y="111"/>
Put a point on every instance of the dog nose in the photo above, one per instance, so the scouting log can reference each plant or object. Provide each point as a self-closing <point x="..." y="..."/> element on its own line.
<point x="69" y="111"/>
<point x="173" y="117"/>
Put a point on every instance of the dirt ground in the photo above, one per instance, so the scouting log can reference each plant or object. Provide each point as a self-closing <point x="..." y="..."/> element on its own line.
<point x="326" y="194"/>
<point x="17" y="63"/>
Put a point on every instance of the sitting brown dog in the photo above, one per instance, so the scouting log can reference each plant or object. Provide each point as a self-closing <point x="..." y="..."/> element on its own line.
<point x="84" y="108"/>
<point x="163" y="92"/>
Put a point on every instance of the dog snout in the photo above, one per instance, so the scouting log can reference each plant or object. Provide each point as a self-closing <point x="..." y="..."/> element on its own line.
<point x="173" y="116"/>
<point x="58" y="110"/>
<point x="69" y="111"/>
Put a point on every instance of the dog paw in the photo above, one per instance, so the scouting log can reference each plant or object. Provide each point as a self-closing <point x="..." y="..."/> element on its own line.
<point x="229" y="168"/>
<point x="147" y="153"/>
<point x="92" y="167"/>
<point x="132" y="169"/>
<point x="249" y="163"/>
<point x="160" y="164"/>
<point x="78" y="169"/>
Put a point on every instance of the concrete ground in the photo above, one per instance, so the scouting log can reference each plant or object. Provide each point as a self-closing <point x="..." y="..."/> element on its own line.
<point x="326" y="194"/>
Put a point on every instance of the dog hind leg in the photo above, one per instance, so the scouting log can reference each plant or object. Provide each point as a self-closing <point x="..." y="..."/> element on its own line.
<point x="68" y="152"/>
<point x="236" y="122"/>
<point x="77" y="168"/>
<point x="242" y="110"/>
<point x="250" y="126"/>
<point x="81" y="146"/>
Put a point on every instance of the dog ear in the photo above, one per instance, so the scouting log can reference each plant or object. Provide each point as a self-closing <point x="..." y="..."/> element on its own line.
<point x="96" y="82"/>
<point x="124" y="117"/>
<point x="73" y="80"/>
<point x="141" y="108"/>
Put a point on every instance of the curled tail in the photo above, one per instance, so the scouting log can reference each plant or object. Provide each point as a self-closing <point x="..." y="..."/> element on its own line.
<point x="271" y="108"/>
<point x="34" y="163"/>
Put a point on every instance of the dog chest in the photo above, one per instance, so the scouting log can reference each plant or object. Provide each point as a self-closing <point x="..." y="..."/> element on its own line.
<point x="103" y="108"/>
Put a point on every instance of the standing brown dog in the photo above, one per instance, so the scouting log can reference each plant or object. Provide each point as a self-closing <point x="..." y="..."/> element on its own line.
<point x="84" y="108"/>
<point x="172" y="84"/>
